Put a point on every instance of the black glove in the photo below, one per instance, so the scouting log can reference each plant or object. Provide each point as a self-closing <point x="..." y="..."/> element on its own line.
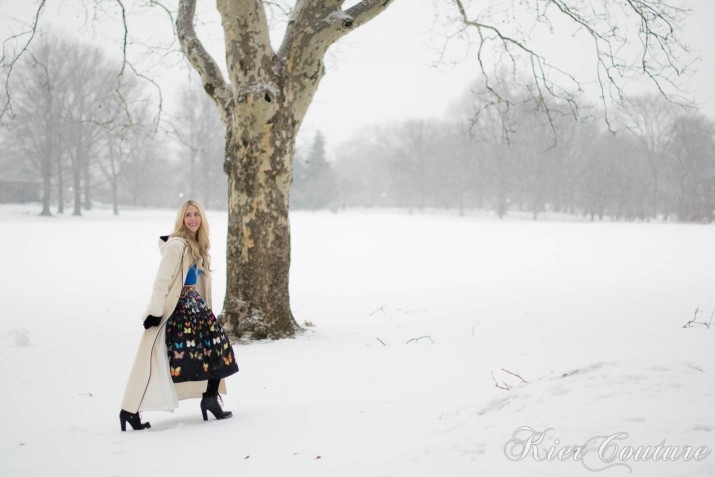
<point x="151" y="321"/>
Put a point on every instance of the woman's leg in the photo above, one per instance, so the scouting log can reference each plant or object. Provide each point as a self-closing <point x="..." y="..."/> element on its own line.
<point x="212" y="387"/>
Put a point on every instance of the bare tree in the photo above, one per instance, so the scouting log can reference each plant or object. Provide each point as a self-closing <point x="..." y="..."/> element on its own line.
<point x="200" y="134"/>
<point x="691" y="158"/>
<point x="121" y="145"/>
<point x="34" y="133"/>
<point x="89" y="110"/>
<point x="264" y="97"/>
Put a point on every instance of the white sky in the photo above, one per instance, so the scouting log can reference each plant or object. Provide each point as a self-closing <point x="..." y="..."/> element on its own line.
<point x="386" y="71"/>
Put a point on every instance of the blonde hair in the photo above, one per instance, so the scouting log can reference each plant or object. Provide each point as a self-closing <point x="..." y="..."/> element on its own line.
<point x="198" y="243"/>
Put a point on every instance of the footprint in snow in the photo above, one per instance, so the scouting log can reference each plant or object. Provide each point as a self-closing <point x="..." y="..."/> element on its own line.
<point x="22" y="339"/>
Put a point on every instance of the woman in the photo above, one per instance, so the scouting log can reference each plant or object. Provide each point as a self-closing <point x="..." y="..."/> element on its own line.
<point x="183" y="344"/>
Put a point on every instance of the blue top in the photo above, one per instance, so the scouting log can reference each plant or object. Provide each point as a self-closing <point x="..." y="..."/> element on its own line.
<point x="192" y="276"/>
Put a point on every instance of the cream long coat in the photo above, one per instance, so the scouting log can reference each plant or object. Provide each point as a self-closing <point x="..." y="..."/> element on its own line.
<point x="150" y="387"/>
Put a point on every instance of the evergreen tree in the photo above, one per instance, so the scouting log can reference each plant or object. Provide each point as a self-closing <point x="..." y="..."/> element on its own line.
<point x="314" y="182"/>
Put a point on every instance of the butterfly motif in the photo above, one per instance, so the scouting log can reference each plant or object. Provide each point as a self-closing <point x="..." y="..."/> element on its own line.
<point x="217" y="340"/>
<point x="195" y="355"/>
<point x="227" y="359"/>
<point x="190" y="344"/>
<point x="207" y="342"/>
<point x="225" y="345"/>
<point x="178" y="355"/>
<point x="213" y="328"/>
<point x="179" y="345"/>
<point x="175" y="371"/>
<point x="208" y="352"/>
<point x="206" y="367"/>
<point x="187" y="330"/>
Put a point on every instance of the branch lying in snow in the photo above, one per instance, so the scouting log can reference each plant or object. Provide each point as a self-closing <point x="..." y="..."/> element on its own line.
<point x="514" y="374"/>
<point x="382" y="309"/>
<point x="694" y="321"/>
<point x="504" y="385"/>
<point x="417" y="339"/>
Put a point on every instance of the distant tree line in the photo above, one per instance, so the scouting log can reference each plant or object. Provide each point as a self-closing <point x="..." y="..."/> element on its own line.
<point x="662" y="166"/>
<point x="77" y="136"/>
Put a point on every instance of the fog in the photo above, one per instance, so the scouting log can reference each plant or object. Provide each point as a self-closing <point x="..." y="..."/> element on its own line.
<point x="393" y="125"/>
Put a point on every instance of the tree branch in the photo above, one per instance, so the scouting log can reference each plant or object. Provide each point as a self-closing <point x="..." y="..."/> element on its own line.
<point x="612" y="28"/>
<point x="10" y="65"/>
<point x="694" y="321"/>
<point x="366" y="10"/>
<point x="200" y="59"/>
<point x="502" y="385"/>
<point x="315" y="25"/>
<point x="516" y="375"/>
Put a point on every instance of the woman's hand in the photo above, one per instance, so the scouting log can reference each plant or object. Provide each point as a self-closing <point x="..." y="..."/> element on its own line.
<point x="151" y="321"/>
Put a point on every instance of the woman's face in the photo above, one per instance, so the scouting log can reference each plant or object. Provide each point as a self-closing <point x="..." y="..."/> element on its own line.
<point x="192" y="218"/>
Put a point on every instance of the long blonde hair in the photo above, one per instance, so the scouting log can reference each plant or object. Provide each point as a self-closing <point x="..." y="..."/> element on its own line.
<point x="198" y="244"/>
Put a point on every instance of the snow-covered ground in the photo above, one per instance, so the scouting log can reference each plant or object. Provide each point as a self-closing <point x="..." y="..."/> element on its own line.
<point x="417" y="318"/>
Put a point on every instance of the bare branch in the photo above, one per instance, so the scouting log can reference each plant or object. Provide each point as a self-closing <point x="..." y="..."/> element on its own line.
<point x="650" y="30"/>
<point x="207" y="68"/>
<point x="366" y="10"/>
<point x="322" y="23"/>
<point x="540" y="73"/>
<point x="514" y="374"/>
<point x="382" y="309"/>
<point x="501" y="385"/>
<point x="421" y="337"/>
<point x="10" y="64"/>
<point x="168" y="12"/>
<point x="694" y="321"/>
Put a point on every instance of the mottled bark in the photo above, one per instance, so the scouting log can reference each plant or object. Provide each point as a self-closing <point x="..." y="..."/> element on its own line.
<point x="262" y="104"/>
<point x="258" y="262"/>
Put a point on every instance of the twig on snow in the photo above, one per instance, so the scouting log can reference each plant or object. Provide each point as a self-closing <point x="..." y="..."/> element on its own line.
<point x="694" y="321"/>
<point x="514" y="374"/>
<point x="382" y="309"/>
<point x="503" y="385"/>
<point x="417" y="339"/>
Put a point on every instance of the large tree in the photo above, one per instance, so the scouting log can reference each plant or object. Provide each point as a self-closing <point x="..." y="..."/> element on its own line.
<point x="265" y="93"/>
<point x="262" y="103"/>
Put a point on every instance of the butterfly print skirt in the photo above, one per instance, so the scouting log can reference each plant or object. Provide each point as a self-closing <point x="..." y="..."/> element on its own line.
<point x="197" y="345"/>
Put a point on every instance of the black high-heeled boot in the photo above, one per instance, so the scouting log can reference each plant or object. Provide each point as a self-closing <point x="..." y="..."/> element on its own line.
<point x="209" y="402"/>
<point x="133" y="419"/>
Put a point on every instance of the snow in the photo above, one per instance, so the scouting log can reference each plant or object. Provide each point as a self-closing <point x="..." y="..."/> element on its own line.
<point x="416" y="316"/>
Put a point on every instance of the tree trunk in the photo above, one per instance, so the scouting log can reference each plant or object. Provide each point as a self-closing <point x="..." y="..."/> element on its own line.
<point x="87" y="185"/>
<point x="77" y="180"/>
<point x="60" y="186"/>
<point x="115" y="195"/>
<point x="262" y="105"/>
<point x="257" y="303"/>
<point x="46" y="192"/>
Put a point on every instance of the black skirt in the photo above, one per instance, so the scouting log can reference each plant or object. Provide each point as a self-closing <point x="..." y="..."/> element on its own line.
<point x="197" y="345"/>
